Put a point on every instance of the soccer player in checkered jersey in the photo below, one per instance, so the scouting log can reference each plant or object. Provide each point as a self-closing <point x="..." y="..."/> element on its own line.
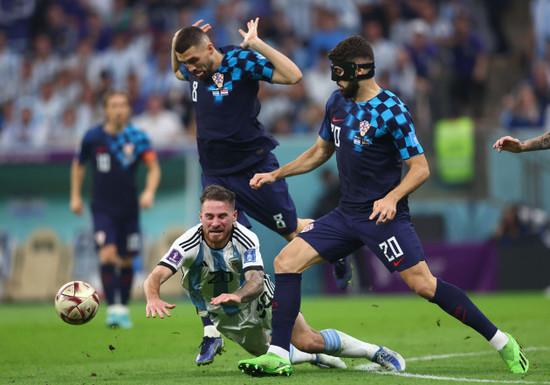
<point x="115" y="149"/>
<point x="223" y="274"/>
<point x="372" y="133"/>
<point x="232" y="144"/>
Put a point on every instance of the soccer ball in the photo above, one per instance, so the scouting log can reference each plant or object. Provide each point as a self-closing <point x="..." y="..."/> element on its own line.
<point x="76" y="302"/>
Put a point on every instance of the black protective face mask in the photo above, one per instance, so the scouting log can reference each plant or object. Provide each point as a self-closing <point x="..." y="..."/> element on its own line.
<point x="346" y="70"/>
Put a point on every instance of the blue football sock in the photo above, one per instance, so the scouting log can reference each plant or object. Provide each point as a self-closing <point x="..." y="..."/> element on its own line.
<point x="206" y="321"/>
<point x="108" y="279"/>
<point x="285" y="308"/>
<point x="456" y="303"/>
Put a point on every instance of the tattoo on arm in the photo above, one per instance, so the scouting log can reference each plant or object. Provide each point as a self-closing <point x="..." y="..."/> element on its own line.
<point x="253" y="287"/>
<point x="540" y="143"/>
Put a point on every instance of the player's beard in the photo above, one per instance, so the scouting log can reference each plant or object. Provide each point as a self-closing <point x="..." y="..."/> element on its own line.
<point x="350" y="90"/>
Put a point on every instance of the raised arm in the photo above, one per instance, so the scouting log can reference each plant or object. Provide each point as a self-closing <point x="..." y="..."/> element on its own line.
<point x="418" y="173"/>
<point x="286" y="72"/>
<point x="151" y="287"/>
<point x="507" y="143"/>
<point x="310" y="159"/>
<point x="253" y="287"/>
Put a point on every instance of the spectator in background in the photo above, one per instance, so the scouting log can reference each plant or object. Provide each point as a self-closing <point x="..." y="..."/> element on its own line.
<point x="317" y="81"/>
<point x="66" y="133"/>
<point x="45" y="63"/>
<point x="522" y="109"/>
<point x="158" y="76"/>
<point x="27" y="84"/>
<point x="99" y="33"/>
<point x="48" y="106"/>
<point x="540" y="82"/>
<point x="468" y="69"/>
<point x="16" y="22"/>
<point x="309" y="119"/>
<point x="61" y="27"/>
<point x="163" y="126"/>
<point x="440" y="29"/>
<point x="24" y="132"/>
<point x="326" y="35"/>
<point x="511" y="229"/>
<point x="138" y="101"/>
<point x="384" y="49"/>
<point x="9" y="67"/>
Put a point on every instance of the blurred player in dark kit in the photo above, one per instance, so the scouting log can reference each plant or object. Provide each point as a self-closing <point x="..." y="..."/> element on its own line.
<point x="114" y="149"/>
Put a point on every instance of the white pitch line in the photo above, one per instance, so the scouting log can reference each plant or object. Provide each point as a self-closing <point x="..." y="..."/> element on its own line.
<point x="460" y="379"/>
<point x="374" y="368"/>
<point x="427" y="358"/>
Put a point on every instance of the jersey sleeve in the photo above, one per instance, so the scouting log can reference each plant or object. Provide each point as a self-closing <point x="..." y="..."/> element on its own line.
<point x="251" y="258"/>
<point x="177" y="257"/>
<point x="252" y="65"/>
<point x="84" y="153"/>
<point x="401" y="127"/>
<point x="144" y="148"/>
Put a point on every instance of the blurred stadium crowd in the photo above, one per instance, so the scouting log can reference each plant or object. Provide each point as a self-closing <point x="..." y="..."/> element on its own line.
<point x="58" y="57"/>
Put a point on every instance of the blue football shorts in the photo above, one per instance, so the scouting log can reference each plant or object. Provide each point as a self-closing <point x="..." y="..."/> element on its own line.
<point x="124" y="233"/>
<point x="338" y="234"/>
<point x="271" y="205"/>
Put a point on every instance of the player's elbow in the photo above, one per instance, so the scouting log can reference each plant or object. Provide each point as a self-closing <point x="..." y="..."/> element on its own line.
<point x="425" y="174"/>
<point x="296" y="77"/>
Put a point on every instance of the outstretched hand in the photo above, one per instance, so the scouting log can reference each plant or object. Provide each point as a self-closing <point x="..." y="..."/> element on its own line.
<point x="258" y="180"/>
<point x="251" y="35"/>
<point x="507" y="143"/>
<point x="159" y="307"/>
<point x="225" y="298"/>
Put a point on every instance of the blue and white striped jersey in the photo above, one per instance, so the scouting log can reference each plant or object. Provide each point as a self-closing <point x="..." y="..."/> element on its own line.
<point x="208" y="273"/>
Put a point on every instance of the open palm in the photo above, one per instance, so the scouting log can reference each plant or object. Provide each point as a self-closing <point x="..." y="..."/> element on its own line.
<point x="251" y="34"/>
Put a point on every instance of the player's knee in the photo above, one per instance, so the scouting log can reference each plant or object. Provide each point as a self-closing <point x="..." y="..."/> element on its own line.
<point x="283" y="264"/>
<point x="425" y="289"/>
<point x="108" y="254"/>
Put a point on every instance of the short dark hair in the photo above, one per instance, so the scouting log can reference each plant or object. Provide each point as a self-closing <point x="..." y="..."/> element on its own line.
<point x="354" y="47"/>
<point x="215" y="192"/>
<point x="189" y="37"/>
<point x="109" y="94"/>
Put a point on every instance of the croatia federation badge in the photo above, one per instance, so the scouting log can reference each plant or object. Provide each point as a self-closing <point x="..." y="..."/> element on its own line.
<point x="218" y="79"/>
<point x="364" y="127"/>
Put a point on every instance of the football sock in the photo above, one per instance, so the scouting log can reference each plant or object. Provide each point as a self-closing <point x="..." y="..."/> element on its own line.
<point x="206" y="321"/>
<point x="342" y="345"/>
<point x="456" y="303"/>
<point x="297" y="356"/>
<point x="283" y="353"/>
<point x="499" y="340"/>
<point x="126" y="278"/>
<point x="211" y="331"/>
<point x="285" y="307"/>
<point x="109" y="283"/>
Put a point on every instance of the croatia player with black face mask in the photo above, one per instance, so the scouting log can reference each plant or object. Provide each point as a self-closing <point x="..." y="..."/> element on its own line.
<point x="372" y="133"/>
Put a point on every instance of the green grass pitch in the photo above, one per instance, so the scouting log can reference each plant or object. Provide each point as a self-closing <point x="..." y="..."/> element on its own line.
<point x="36" y="347"/>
